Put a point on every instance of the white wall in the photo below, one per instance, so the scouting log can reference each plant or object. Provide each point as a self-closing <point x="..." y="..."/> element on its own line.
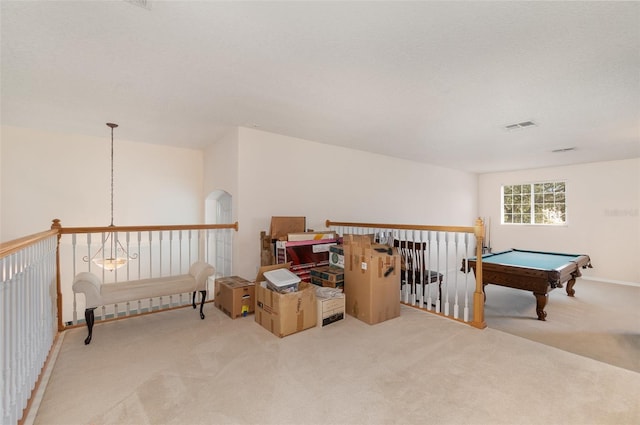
<point x="286" y="176"/>
<point x="47" y="175"/>
<point x="221" y="165"/>
<point x="603" y="204"/>
<point x="221" y="173"/>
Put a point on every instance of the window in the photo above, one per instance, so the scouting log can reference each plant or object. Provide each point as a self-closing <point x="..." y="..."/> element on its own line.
<point x="534" y="203"/>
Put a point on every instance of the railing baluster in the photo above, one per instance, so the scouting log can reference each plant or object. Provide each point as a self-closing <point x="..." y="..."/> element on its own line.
<point x="456" y="308"/>
<point x="466" y="277"/>
<point x="73" y="262"/>
<point x="180" y="250"/>
<point x="160" y="261"/>
<point x="4" y="334"/>
<point x="128" y="248"/>
<point x="150" y="255"/>
<point x="447" y="237"/>
<point x="190" y="240"/>
<point x="170" y="252"/>
<point x="139" y="256"/>
<point x="430" y="267"/>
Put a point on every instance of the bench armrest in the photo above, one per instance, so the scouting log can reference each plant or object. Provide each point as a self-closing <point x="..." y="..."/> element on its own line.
<point x="200" y="272"/>
<point x="89" y="285"/>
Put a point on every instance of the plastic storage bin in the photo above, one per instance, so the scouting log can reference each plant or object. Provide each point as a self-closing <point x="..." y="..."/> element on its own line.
<point x="282" y="280"/>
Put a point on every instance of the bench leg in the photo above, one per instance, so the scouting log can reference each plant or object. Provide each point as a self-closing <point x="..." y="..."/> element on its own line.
<point x="89" y="318"/>
<point x="204" y="295"/>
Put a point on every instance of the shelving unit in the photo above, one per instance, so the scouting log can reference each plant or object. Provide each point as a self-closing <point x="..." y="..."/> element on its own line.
<point x="304" y="255"/>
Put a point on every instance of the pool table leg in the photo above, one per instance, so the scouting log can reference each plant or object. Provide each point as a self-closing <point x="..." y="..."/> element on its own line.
<point x="570" y="291"/>
<point x="541" y="302"/>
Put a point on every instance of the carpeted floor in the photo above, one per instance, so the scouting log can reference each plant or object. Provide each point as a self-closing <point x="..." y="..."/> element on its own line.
<point x="173" y="368"/>
<point x="602" y="320"/>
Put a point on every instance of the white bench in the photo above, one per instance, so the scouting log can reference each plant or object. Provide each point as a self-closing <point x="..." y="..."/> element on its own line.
<point x="98" y="294"/>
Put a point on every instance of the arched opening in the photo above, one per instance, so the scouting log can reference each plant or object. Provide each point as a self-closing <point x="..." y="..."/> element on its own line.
<point x="218" y="210"/>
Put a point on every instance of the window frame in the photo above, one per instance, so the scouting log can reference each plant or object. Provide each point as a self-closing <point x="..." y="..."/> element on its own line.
<point x="532" y="204"/>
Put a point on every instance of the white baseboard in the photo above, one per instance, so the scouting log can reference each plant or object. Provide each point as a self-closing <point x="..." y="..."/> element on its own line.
<point x="617" y="282"/>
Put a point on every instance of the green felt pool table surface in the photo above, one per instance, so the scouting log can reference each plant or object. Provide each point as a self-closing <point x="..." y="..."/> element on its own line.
<point x="532" y="259"/>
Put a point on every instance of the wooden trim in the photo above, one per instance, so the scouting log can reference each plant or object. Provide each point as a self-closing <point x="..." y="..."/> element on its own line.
<point x="478" y="295"/>
<point x="461" y="229"/>
<point x="56" y="225"/>
<point x="99" y="229"/>
<point x="7" y="248"/>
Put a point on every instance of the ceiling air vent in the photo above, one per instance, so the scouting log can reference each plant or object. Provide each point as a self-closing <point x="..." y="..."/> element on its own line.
<point x="563" y="150"/>
<point x="520" y="125"/>
<point x="145" y="4"/>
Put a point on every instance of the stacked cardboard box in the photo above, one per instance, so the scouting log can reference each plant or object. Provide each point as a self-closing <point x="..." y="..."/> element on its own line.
<point x="372" y="279"/>
<point x="283" y="314"/>
<point x="328" y="276"/>
<point x="336" y="256"/>
<point x="311" y="236"/>
<point x="279" y="229"/>
<point x="330" y="308"/>
<point x="282" y="226"/>
<point x="235" y="296"/>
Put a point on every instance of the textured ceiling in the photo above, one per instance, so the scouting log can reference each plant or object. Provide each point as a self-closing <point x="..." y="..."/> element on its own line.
<point x="434" y="82"/>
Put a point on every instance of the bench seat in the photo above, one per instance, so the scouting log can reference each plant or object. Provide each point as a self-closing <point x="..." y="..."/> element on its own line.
<point x="97" y="293"/>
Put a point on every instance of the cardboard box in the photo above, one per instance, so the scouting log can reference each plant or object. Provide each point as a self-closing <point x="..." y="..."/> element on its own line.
<point x="372" y="280"/>
<point x="332" y="274"/>
<point x="326" y="283"/>
<point x="285" y="314"/>
<point x="330" y="310"/>
<point x="311" y="236"/>
<point x="282" y="226"/>
<point x="267" y="256"/>
<point x="235" y="296"/>
<point x="336" y="256"/>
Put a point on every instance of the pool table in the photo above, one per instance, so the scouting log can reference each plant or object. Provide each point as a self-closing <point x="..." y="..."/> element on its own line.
<point x="535" y="271"/>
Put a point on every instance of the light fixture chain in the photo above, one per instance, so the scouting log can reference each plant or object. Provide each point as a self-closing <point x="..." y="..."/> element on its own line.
<point x="111" y="176"/>
<point x="112" y="126"/>
<point x="114" y="260"/>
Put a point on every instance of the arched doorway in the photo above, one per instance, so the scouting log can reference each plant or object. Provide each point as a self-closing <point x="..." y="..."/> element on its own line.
<point x="218" y="210"/>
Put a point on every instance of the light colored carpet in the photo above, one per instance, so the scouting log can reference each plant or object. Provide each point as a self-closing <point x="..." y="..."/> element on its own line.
<point x="173" y="368"/>
<point x="601" y="322"/>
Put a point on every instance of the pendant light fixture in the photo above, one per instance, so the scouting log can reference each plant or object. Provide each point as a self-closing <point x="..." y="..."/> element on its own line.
<point x="117" y="255"/>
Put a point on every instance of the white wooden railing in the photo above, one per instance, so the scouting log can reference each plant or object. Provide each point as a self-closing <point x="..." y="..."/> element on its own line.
<point x="27" y="318"/>
<point x="36" y="299"/>
<point x="433" y="260"/>
<point x="151" y="251"/>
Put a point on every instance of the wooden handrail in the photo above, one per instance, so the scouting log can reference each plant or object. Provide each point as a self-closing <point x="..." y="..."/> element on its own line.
<point x="461" y="229"/>
<point x="99" y="229"/>
<point x="7" y="248"/>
